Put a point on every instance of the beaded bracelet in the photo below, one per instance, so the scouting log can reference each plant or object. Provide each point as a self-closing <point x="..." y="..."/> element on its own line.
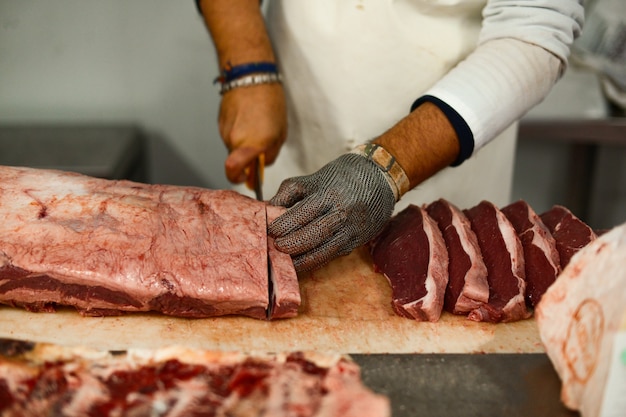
<point x="232" y="73"/>
<point x="393" y="172"/>
<point x="250" y="80"/>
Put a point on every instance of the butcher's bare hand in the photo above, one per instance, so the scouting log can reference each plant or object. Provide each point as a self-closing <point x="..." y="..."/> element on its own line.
<point x="340" y="207"/>
<point x="252" y="120"/>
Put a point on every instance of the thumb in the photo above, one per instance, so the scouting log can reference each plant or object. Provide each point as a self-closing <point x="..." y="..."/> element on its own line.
<point x="237" y="162"/>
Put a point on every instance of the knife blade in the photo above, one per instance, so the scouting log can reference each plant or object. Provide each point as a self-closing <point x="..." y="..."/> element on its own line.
<point x="255" y="182"/>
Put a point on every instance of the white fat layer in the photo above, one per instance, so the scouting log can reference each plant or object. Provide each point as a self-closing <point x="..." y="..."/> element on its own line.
<point x="513" y="247"/>
<point x="14" y="375"/>
<point x="433" y="300"/>
<point x="87" y="390"/>
<point x="476" y="285"/>
<point x="540" y="243"/>
<point x="515" y="303"/>
<point x="184" y="397"/>
<point x="460" y="227"/>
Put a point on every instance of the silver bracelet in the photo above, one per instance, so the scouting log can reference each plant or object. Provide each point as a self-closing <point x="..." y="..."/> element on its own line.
<point x="391" y="169"/>
<point x="252" y="79"/>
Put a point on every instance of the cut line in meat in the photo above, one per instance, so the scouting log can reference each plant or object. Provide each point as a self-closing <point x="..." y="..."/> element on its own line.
<point x="285" y="291"/>
<point x="107" y="247"/>
<point x="503" y="255"/>
<point x="468" y="287"/>
<point x="412" y="255"/>
<point x="542" y="261"/>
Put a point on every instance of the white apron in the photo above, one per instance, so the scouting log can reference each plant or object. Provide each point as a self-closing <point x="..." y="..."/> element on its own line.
<point x="353" y="68"/>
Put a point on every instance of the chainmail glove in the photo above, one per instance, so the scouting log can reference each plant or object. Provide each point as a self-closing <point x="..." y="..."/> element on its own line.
<point x="338" y="208"/>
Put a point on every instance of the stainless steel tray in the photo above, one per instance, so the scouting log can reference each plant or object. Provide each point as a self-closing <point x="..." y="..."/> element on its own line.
<point x="462" y="385"/>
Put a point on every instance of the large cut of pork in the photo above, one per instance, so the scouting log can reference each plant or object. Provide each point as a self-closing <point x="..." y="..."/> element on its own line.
<point x="412" y="255"/>
<point x="106" y="247"/>
<point x="504" y="257"/>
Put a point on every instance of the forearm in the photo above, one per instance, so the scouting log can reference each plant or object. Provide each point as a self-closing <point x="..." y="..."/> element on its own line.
<point x="423" y="143"/>
<point x="514" y="67"/>
<point x="238" y="31"/>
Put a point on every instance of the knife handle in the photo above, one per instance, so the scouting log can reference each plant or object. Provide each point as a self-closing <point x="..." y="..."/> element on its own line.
<point x="254" y="173"/>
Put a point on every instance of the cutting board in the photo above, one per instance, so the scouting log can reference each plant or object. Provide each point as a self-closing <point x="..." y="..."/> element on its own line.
<point x="346" y="308"/>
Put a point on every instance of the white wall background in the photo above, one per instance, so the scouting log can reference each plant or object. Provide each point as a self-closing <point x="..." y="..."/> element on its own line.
<point x="149" y="62"/>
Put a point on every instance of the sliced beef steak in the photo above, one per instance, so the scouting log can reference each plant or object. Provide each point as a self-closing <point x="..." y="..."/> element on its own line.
<point x="107" y="247"/>
<point x="542" y="261"/>
<point x="467" y="288"/>
<point x="412" y="255"/>
<point x="503" y="255"/>
<point x="571" y="233"/>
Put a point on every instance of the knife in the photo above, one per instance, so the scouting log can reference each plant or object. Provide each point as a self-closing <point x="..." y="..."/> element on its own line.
<point x="255" y="182"/>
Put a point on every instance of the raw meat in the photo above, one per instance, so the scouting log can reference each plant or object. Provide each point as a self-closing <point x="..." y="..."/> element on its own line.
<point x="38" y="380"/>
<point x="571" y="233"/>
<point x="285" y="291"/>
<point x="504" y="257"/>
<point x="542" y="261"/>
<point x="467" y="287"/>
<point x="106" y="247"/>
<point x="579" y="317"/>
<point x="412" y="255"/>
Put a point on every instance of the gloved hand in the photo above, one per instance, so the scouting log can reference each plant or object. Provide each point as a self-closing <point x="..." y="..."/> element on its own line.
<point x="340" y="207"/>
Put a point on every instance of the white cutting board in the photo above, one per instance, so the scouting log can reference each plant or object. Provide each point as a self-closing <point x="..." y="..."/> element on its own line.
<point x="345" y="308"/>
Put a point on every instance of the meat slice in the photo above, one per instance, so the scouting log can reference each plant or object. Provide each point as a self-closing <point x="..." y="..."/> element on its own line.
<point x="541" y="258"/>
<point x="582" y="320"/>
<point x="571" y="233"/>
<point x="106" y="247"/>
<point x="412" y="255"/>
<point x="285" y="291"/>
<point x="503" y="255"/>
<point x="467" y="286"/>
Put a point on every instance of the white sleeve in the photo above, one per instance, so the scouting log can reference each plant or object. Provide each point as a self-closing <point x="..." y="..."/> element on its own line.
<point x="522" y="51"/>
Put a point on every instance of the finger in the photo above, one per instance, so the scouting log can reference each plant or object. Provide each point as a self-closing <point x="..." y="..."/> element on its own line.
<point x="274" y="149"/>
<point x="237" y="162"/>
<point x="337" y="246"/>
<point x="272" y="153"/>
<point x="303" y="213"/>
<point x="312" y="234"/>
<point x="289" y="193"/>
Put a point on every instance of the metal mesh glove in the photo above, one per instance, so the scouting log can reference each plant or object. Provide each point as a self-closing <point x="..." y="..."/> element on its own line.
<point x="338" y="208"/>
